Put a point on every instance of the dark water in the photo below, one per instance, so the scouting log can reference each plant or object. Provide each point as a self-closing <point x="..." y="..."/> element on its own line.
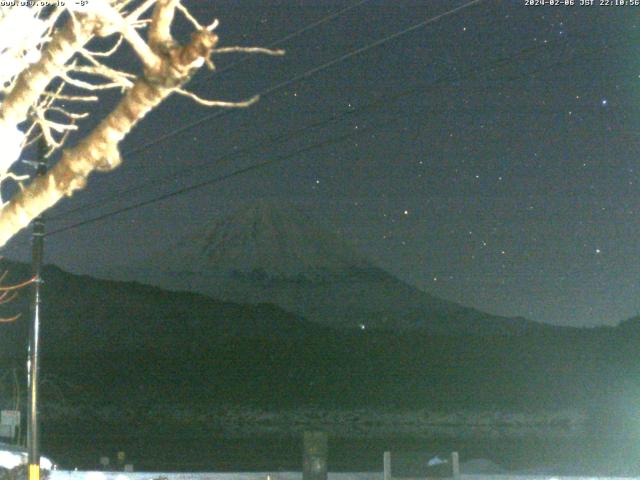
<point x="182" y="452"/>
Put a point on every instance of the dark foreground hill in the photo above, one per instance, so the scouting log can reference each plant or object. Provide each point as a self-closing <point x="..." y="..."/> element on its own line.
<point x="84" y="314"/>
<point x="131" y="347"/>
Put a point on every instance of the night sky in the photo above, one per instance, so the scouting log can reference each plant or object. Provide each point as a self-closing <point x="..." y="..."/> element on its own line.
<point x="489" y="157"/>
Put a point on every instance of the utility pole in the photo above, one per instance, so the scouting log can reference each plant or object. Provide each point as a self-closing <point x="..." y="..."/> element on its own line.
<point x="33" y="362"/>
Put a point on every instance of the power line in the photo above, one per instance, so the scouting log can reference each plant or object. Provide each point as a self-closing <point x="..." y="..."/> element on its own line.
<point x="255" y="166"/>
<point x="284" y="39"/>
<point x="238" y="172"/>
<point x="296" y="79"/>
<point x="275" y="43"/>
<point x="376" y="105"/>
<point x="305" y="75"/>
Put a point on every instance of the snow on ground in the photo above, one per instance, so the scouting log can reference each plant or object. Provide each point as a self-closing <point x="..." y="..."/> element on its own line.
<point x="78" y="475"/>
<point x="474" y="469"/>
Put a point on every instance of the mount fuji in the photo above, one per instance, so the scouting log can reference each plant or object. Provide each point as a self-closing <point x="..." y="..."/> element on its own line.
<point x="270" y="253"/>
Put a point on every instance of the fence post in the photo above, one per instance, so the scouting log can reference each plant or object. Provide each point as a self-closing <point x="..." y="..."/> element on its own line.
<point x="314" y="459"/>
<point x="455" y="464"/>
<point x="387" y="465"/>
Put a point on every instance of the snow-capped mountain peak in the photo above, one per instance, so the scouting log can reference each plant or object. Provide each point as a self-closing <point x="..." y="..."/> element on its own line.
<point x="273" y="240"/>
<point x="274" y="253"/>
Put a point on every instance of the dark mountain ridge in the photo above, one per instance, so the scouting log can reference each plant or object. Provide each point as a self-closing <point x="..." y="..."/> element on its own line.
<point x="268" y="253"/>
<point x="133" y="346"/>
<point x="81" y="313"/>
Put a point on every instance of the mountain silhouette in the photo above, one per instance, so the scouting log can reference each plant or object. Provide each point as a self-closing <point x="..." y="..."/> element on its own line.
<point x="84" y="314"/>
<point x="274" y="253"/>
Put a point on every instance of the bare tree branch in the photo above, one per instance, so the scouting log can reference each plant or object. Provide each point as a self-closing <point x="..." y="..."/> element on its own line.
<point x="99" y="150"/>
<point x="189" y="17"/>
<point x="217" y="103"/>
<point x="8" y="293"/>
<point x="138" y="12"/>
<point x="108" y="53"/>
<point x="160" y="30"/>
<point x="264" y="51"/>
<point x="33" y="81"/>
<point x="10" y="319"/>
<point x="167" y="67"/>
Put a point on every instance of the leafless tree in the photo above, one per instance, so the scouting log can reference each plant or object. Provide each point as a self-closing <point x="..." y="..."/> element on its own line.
<point x="9" y="292"/>
<point x="47" y="60"/>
